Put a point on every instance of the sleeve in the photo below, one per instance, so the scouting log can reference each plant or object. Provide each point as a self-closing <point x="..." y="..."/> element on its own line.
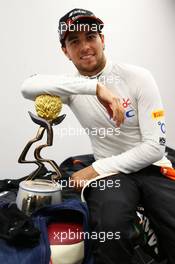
<point x="61" y="85"/>
<point x="152" y="129"/>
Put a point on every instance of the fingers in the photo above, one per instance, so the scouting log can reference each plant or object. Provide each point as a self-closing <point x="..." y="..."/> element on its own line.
<point x="109" y="110"/>
<point x="76" y="183"/>
<point x="111" y="103"/>
<point x="117" y="111"/>
<point x="80" y="178"/>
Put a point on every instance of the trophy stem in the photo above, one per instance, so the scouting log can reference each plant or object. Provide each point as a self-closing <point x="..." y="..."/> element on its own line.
<point x="44" y="126"/>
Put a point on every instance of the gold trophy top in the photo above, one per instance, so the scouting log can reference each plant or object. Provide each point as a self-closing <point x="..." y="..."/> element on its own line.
<point x="48" y="106"/>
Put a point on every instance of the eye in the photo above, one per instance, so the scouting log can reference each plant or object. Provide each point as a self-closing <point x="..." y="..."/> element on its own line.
<point x="92" y="36"/>
<point x="73" y="42"/>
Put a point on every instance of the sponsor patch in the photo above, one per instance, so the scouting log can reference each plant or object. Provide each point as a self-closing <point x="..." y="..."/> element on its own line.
<point x="162" y="141"/>
<point x="126" y="102"/>
<point x="130" y="113"/>
<point x="158" y="114"/>
<point x="162" y="127"/>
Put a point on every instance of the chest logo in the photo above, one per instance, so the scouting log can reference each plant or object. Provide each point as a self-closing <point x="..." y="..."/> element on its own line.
<point x="130" y="113"/>
<point x="126" y="102"/>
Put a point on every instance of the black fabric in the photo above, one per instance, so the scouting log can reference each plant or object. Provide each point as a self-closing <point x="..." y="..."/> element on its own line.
<point x="171" y="155"/>
<point x="16" y="228"/>
<point x="7" y="197"/>
<point x="115" y="209"/>
<point x="13" y="185"/>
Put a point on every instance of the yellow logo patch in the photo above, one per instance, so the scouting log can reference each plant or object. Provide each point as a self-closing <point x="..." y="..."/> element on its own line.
<point x="158" y="114"/>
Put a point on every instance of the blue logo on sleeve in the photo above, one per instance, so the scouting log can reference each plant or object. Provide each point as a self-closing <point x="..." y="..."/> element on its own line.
<point x="162" y="127"/>
<point x="130" y="113"/>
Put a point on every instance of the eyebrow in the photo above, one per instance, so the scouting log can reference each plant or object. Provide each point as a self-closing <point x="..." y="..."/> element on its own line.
<point x="91" y="32"/>
<point x="73" y="37"/>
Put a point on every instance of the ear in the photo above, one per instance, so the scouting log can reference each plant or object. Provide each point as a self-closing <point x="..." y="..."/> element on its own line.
<point x="102" y="40"/>
<point x="66" y="52"/>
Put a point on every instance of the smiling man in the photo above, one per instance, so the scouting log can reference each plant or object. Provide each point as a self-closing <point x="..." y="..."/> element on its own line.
<point x="101" y="90"/>
<point x="88" y="61"/>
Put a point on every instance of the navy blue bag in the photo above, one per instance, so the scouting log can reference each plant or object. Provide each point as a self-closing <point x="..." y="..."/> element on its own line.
<point x="40" y="254"/>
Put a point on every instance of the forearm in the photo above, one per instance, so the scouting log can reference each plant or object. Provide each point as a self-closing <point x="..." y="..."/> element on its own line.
<point x="65" y="86"/>
<point x="132" y="160"/>
<point x="57" y="85"/>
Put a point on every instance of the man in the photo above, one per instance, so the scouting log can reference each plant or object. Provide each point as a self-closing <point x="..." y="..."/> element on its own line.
<point x="134" y="156"/>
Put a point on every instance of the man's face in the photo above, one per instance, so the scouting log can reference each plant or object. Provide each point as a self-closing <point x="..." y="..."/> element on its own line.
<point x="85" y="49"/>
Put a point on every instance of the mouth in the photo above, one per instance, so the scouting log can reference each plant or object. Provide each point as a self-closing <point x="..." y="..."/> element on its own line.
<point x="87" y="57"/>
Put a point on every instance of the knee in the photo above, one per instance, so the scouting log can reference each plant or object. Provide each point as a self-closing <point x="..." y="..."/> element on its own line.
<point x="117" y="218"/>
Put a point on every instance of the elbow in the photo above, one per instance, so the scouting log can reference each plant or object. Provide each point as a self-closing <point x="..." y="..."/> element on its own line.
<point x="26" y="91"/>
<point x="28" y="87"/>
<point x="159" y="151"/>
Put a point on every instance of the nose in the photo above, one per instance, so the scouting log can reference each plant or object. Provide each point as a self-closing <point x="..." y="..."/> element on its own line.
<point x="85" y="46"/>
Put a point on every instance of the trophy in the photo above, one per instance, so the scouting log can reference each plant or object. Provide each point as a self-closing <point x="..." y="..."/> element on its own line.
<point x="35" y="193"/>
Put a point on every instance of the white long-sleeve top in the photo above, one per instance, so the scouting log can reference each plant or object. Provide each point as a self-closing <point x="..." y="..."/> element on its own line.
<point x="139" y="142"/>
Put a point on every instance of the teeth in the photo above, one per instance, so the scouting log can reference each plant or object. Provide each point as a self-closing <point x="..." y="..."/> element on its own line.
<point x="86" y="56"/>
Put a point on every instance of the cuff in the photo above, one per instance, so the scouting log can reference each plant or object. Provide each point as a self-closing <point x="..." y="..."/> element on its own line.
<point x="91" y="87"/>
<point x="102" y="167"/>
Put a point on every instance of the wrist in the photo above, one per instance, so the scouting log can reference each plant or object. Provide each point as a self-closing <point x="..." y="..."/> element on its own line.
<point x="99" y="88"/>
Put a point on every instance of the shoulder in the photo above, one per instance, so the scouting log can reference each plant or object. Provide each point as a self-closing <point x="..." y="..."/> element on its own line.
<point x="137" y="78"/>
<point x="132" y="73"/>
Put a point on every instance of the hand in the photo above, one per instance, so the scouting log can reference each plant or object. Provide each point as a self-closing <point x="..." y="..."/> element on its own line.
<point x="111" y="103"/>
<point x="80" y="177"/>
